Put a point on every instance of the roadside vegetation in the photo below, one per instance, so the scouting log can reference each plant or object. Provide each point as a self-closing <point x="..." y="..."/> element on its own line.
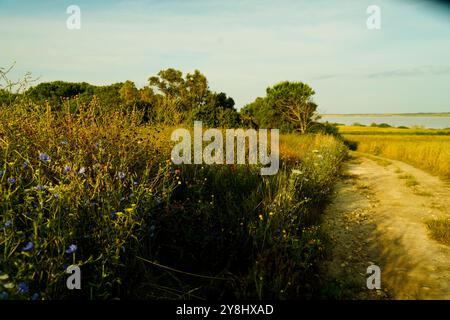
<point x="440" y="230"/>
<point x="427" y="149"/>
<point x="88" y="181"/>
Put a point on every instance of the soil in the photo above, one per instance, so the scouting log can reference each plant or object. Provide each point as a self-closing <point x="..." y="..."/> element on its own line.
<point x="376" y="218"/>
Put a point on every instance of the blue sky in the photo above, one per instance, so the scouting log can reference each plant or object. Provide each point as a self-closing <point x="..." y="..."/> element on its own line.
<point x="244" y="46"/>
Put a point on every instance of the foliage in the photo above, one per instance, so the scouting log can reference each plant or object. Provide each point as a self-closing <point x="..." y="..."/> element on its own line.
<point x="287" y="106"/>
<point x="218" y="112"/>
<point x="97" y="188"/>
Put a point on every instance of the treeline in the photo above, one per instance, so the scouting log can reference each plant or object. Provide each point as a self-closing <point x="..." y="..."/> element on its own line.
<point x="173" y="98"/>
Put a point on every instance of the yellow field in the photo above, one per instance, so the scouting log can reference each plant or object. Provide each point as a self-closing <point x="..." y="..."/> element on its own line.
<point x="394" y="131"/>
<point x="429" y="152"/>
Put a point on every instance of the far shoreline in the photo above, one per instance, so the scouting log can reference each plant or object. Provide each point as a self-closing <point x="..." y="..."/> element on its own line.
<point x="419" y="114"/>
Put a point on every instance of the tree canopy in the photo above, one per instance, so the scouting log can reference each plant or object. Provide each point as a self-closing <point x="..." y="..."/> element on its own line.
<point x="170" y="97"/>
<point x="287" y="105"/>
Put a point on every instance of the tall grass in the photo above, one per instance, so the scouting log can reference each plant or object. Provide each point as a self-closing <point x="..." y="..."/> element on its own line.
<point x="431" y="153"/>
<point x="369" y="130"/>
<point x="98" y="189"/>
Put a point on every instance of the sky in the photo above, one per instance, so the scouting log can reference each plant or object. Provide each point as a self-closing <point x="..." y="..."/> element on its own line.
<point x="243" y="47"/>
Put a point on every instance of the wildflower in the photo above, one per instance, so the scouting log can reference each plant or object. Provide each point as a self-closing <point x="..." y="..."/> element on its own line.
<point x="28" y="246"/>
<point x="56" y="196"/>
<point x="22" y="288"/>
<point x="129" y="210"/>
<point x="64" y="142"/>
<point x="66" y="169"/>
<point x="135" y="183"/>
<point x="7" y="223"/>
<point x="11" y="180"/>
<point x="82" y="170"/>
<point x="25" y="164"/>
<point x="121" y="175"/>
<point x="44" y="157"/>
<point x="35" y="296"/>
<point x="72" y="248"/>
<point x="260" y="217"/>
<point x="270" y="213"/>
<point x="96" y="145"/>
<point x="39" y="188"/>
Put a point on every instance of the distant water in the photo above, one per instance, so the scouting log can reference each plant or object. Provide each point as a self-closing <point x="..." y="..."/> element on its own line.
<point x="394" y="121"/>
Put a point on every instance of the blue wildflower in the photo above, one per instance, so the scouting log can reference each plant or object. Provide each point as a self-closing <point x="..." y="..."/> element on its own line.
<point x="135" y="183"/>
<point x="121" y="175"/>
<point x="35" y="296"/>
<point x="25" y="164"/>
<point x="82" y="170"/>
<point x="7" y="223"/>
<point x="11" y="180"/>
<point x="28" y="246"/>
<point x="56" y="196"/>
<point x="96" y="145"/>
<point x="66" y="169"/>
<point x="44" y="157"/>
<point x="22" y="288"/>
<point x="72" y="248"/>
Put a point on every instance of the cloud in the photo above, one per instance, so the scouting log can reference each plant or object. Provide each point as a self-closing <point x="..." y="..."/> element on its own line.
<point x="412" y="72"/>
<point x="404" y="72"/>
<point x="329" y="76"/>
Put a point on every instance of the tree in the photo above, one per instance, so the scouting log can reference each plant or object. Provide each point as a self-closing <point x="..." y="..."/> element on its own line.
<point x="219" y="111"/>
<point x="293" y="101"/>
<point x="262" y="114"/>
<point x="188" y="93"/>
<point x="128" y="92"/>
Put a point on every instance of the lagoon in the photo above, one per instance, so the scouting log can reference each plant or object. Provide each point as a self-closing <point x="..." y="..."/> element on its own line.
<point x="395" y="121"/>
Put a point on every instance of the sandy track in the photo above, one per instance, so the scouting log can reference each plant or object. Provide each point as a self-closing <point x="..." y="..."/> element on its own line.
<point x="376" y="218"/>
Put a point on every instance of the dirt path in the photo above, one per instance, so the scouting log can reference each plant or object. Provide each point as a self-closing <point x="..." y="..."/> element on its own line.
<point x="376" y="218"/>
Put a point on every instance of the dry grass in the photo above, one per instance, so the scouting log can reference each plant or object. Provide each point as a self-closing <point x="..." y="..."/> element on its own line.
<point x="391" y="131"/>
<point x="440" y="229"/>
<point x="429" y="152"/>
<point x="410" y="180"/>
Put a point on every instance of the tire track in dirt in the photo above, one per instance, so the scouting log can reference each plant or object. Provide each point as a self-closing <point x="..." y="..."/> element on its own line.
<point x="375" y="218"/>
